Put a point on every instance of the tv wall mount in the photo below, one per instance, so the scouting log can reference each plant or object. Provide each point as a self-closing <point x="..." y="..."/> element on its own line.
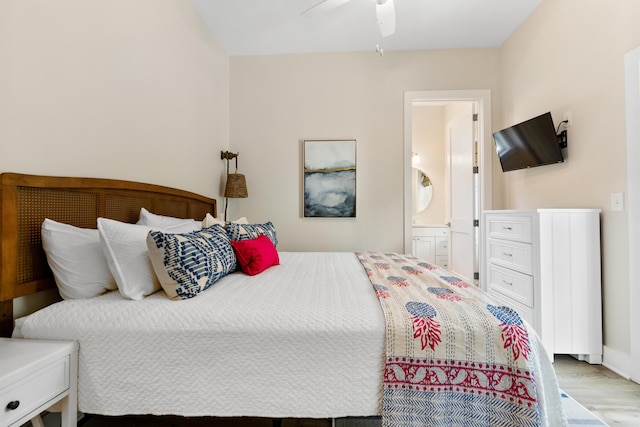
<point x="562" y="136"/>
<point x="562" y="139"/>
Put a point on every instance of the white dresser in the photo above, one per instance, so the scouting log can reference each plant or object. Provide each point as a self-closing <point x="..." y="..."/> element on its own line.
<point x="545" y="264"/>
<point x="431" y="243"/>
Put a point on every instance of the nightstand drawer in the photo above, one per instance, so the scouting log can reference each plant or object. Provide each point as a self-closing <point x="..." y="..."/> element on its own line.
<point x="516" y="286"/>
<point x="516" y="228"/>
<point x="513" y="255"/>
<point x="34" y="390"/>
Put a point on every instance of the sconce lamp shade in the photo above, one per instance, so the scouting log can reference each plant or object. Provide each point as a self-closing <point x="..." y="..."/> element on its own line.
<point x="236" y="186"/>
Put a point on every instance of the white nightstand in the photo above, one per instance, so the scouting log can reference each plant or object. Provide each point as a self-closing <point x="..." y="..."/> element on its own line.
<point x="34" y="375"/>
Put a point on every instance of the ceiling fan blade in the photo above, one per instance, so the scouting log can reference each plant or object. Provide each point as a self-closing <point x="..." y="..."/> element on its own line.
<point x="324" y="5"/>
<point x="386" y="15"/>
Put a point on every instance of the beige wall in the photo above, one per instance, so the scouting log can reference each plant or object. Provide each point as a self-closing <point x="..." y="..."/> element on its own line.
<point x="277" y="101"/>
<point x="568" y="56"/>
<point x="428" y="141"/>
<point x="121" y="89"/>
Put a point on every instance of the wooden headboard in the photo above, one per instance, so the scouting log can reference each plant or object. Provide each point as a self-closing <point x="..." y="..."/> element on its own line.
<point x="26" y="200"/>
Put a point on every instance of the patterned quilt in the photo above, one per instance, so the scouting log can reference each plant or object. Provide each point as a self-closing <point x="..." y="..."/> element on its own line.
<point x="453" y="356"/>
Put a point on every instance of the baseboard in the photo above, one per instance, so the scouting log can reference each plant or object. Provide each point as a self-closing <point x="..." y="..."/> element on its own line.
<point x="618" y="361"/>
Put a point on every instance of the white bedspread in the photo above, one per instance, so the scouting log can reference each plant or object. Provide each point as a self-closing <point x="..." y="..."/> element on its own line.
<point x="303" y="339"/>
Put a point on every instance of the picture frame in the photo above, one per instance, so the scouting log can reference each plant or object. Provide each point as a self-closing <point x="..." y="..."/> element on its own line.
<point x="329" y="170"/>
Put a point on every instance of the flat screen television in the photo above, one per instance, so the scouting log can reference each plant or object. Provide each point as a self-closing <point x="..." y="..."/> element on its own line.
<point x="528" y="144"/>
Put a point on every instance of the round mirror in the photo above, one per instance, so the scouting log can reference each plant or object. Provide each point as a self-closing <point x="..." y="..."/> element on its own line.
<point x="422" y="190"/>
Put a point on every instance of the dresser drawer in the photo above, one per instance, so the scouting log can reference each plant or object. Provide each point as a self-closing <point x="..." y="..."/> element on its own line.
<point x="430" y="231"/>
<point x="527" y="314"/>
<point x="442" y="261"/>
<point x="516" y="228"/>
<point x="508" y="254"/>
<point x="516" y="286"/>
<point x="34" y="390"/>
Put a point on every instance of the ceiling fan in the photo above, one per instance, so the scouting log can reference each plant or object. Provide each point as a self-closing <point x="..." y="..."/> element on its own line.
<point x="385" y="13"/>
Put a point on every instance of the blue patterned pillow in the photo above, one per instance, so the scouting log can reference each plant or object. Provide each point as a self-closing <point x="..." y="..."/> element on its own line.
<point x="238" y="232"/>
<point x="187" y="264"/>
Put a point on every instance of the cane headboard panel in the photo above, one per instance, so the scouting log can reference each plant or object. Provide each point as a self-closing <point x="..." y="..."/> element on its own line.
<point x="26" y="200"/>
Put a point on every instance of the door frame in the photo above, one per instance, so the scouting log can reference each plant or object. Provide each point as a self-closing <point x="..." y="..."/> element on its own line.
<point x="482" y="97"/>
<point x="632" y="89"/>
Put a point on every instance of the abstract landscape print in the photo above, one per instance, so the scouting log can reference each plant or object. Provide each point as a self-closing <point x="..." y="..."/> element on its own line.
<point x="330" y="178"/>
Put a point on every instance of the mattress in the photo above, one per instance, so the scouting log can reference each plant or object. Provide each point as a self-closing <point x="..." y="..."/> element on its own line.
<point x="303" y="339"/>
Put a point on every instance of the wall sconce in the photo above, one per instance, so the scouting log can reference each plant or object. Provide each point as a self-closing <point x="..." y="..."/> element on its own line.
<point x="236" y="186"/>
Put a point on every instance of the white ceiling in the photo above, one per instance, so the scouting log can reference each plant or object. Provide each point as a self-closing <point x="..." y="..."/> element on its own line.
<point x="265" y="27"/>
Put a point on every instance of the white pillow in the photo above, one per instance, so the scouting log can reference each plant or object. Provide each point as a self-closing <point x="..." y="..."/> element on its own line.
<point x="168" y="224"/>
<point x="75" y="256"/>
<point x="209" y="220"/>
<point x="125" y="248"/>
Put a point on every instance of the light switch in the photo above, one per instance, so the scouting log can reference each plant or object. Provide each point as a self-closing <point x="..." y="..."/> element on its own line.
<point x="617" y="202"/>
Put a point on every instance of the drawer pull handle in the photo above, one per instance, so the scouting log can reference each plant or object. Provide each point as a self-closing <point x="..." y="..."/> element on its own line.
<point x="507" y="254"/>
<point x="507" y="283"/>
<point x="507" y="228"/>
<point x="13" y="405"/>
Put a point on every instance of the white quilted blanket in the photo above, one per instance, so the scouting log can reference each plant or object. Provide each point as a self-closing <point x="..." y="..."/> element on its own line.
<point x="303" y="339"/>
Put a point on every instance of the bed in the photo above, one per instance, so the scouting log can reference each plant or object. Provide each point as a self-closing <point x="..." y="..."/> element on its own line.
<point x="307" y="338"/>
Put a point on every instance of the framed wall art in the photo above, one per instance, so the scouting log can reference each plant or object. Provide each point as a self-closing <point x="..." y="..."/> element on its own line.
<point x="329" y="178"/>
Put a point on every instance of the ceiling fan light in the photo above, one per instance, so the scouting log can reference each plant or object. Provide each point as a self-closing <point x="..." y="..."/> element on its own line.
<point x="386" y="16"/>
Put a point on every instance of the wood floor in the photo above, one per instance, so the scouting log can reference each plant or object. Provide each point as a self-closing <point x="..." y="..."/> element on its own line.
<point x="612" y="398"/>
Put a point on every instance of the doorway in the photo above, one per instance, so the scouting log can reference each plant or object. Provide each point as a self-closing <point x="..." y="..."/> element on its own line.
<point x="481" y="101"/>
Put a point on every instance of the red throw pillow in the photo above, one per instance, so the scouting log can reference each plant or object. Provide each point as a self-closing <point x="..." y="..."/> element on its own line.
<point x="255" y="255"/>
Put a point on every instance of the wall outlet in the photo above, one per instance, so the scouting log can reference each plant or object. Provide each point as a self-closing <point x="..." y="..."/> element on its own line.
<point x="617" y="202"/>
<point x="568" y="116"/>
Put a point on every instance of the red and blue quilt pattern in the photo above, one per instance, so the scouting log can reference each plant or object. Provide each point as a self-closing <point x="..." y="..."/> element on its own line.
<point x="454" y="357"/>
